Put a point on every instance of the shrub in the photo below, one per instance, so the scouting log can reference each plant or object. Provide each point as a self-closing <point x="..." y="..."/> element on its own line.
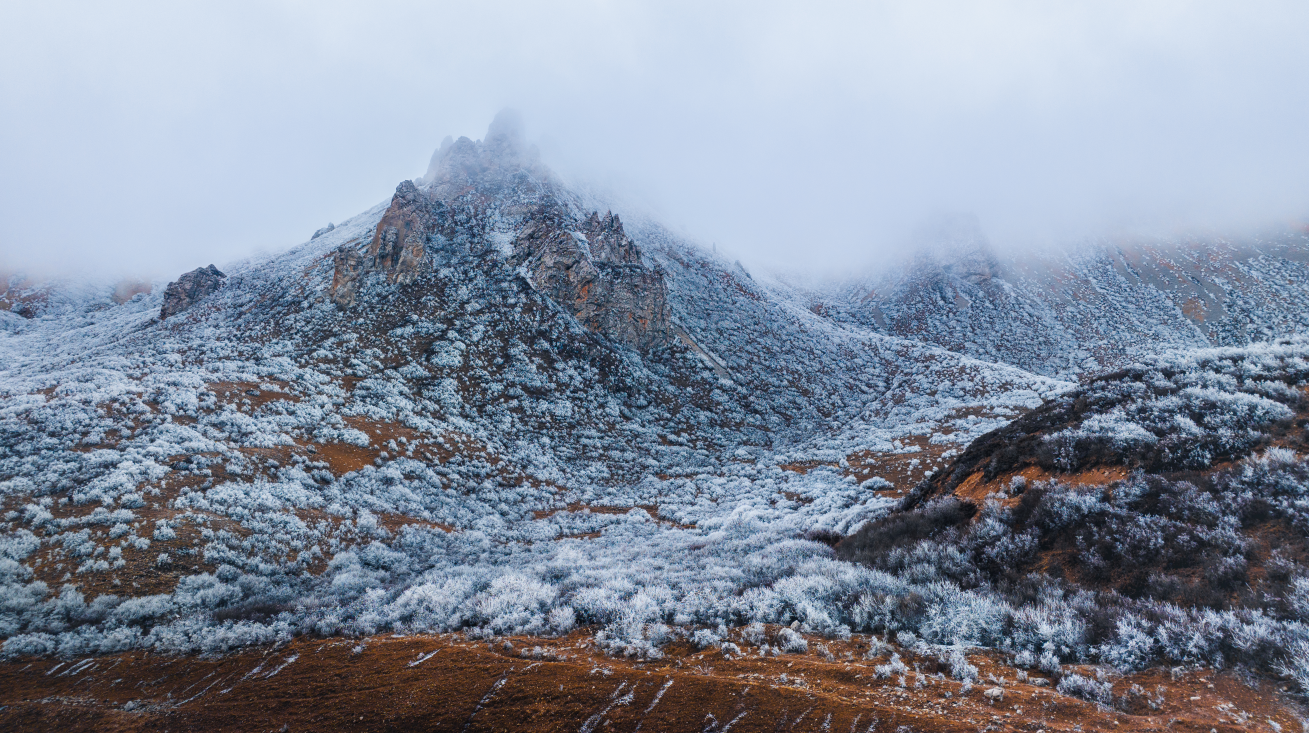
<point x="1096" y="691"/>
<point x="790" y="641"/>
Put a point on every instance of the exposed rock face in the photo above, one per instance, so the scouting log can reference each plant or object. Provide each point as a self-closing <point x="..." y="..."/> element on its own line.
<point x="398" y="247"/>
<point x="494" y="197"/>
<point x="189" y="289"/>
<point x="595" y="271"/>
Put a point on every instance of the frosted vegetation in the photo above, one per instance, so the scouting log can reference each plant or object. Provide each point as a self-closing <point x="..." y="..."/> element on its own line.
<point x="459" y="453"/>
<point x="526" y="476"/>
<point x="1174" y="564"/>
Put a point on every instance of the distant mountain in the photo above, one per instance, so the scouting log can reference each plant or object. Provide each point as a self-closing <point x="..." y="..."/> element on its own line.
<point x="1095" y="307"/>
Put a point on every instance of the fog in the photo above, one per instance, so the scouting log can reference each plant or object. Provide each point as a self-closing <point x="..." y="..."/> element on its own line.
<point x="151" y="138"/>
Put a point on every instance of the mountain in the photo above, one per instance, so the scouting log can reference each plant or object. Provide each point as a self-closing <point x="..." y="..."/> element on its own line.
<point x="491" y="405"/>
<point x="1167" y="497"/>
<point x="1096" y="307"/>
<point x="455" y="384"/>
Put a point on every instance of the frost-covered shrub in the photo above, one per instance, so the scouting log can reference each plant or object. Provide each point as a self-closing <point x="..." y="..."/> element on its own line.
<point x="893" y="668"/>
<point x="1296" y="664"/>
<point x="22" y="645"/>
<point x="704" y="638"/>
<point x="878" y="539"/>
<point x="438" y="604"/>
<point x="1096" y="691"/>
<point x="1049" y="662"/>
<point x="1053" y="627"/>
<point x="562" y="619"/>
<point x="960" y="668"/>
<point x="790" y="641"/>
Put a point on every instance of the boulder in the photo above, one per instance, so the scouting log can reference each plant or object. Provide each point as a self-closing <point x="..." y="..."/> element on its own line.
<point x="188" y="289"/>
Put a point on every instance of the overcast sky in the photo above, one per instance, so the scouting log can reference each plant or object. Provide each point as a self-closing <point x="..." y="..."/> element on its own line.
<point x="151" y="138"/>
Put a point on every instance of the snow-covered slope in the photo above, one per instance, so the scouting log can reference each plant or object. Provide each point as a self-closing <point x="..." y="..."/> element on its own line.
<point x="450" y="447"/>
<point x="1095" y="307"/>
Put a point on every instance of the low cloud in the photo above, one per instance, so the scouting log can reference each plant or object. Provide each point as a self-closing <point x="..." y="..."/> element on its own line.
<point x="152" y="139"/>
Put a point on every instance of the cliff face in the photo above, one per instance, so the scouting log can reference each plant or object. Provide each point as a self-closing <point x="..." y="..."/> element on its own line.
<point x="398" y="245"/>
<point x="594" y="270"/>
<point x="494" y="197"/>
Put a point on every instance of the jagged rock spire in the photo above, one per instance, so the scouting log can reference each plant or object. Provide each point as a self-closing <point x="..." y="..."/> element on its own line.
<point x="495" y="195"/>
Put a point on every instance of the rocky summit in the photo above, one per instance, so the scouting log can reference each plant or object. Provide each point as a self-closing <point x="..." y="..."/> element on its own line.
<point x="493" y="198"/>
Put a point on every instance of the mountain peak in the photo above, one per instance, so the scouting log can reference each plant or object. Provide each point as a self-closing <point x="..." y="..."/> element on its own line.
<point x="491" y="162"/>
<point x="506" y="129"/>
<point x="494" y="195"/>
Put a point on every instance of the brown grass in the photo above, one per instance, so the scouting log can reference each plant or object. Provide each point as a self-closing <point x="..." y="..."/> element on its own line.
<point x="447" y="683"/>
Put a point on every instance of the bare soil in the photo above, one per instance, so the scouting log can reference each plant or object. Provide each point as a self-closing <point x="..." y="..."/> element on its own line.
<point x="449" y="683"/>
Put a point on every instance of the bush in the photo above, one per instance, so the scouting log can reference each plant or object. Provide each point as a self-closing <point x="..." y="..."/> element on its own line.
<point x="878" y="539"/>
<point x="790" y="641"/>
<point x="1096" y="691"/>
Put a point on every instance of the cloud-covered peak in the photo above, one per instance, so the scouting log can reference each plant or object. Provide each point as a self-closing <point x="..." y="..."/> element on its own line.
<point x="957" y="244"/>
<point x="501" y="155"/>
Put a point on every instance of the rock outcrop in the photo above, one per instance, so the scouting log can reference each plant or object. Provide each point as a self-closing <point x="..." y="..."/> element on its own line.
<point x="398" y="246"/>
<point x="494" y="197"/>
<point x="188" y="289"/>
<point x="594" y="269"/>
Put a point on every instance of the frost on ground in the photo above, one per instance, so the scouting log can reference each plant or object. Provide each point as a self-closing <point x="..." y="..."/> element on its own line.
<point x="457" y="451"/>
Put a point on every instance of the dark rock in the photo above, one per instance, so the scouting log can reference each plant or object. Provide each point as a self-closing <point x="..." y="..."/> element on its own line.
<point x="595" y="272"/>
<point x="330" y="226"/>
<point x="189" y="289"/>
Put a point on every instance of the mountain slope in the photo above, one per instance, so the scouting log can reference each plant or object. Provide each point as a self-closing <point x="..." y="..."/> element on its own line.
<point x="1097" y="307"/>
<point x="1156" y="514"/>
<point x="475" y="406"/>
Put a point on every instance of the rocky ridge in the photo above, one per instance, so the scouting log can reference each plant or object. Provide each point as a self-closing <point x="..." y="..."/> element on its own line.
<point x="493" y="196"/>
